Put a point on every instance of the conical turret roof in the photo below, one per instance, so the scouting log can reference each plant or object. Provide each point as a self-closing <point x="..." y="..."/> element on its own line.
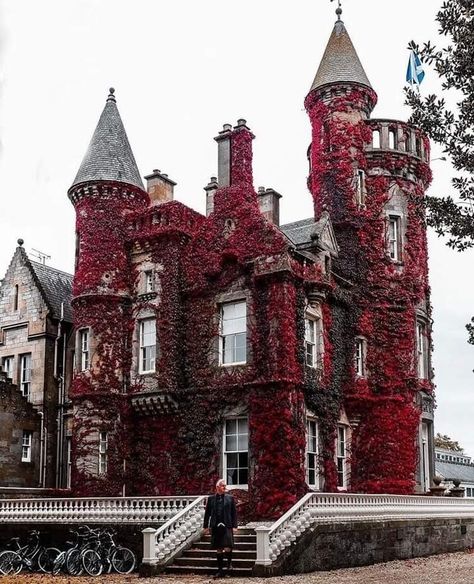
<point x="109" y="155"/>
<point x="340" y="62"/>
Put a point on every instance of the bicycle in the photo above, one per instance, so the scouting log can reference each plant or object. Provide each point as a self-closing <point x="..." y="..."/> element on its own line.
<point x="33" y="555"/>
<point x="108" y="555"/>
<point x="70" y="559"/>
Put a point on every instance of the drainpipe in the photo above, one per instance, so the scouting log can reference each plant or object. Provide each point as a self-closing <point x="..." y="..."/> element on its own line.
<point x="60" y="415"/>
<point x="41" y="449"/>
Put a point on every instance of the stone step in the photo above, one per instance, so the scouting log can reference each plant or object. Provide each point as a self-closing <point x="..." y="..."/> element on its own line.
<point x="212" y="562"/>
<point x="238" y="538"/>
<point x="204" y="570"/>
<point x="206" y="545"/>
<point x="236" y="553"/>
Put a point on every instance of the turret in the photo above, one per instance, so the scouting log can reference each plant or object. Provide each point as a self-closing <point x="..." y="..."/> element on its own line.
<point x="371" y="176"/>
<point x="106" y="190"/>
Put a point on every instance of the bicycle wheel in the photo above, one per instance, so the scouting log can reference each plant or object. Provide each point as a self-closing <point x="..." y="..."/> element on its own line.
<point x="92" y="563"/>
<point x="47" y="558"/>
<point x="10" y="562"/>
<point x="123" y="560"/>
<point x="58" y="563"/>
<point x="74" y="562"/>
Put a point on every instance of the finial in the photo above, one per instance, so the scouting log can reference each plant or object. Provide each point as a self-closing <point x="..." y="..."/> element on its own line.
<point x="20" y="242"/>
<point x="338" y="9"/>
<point x="111" y="96"/>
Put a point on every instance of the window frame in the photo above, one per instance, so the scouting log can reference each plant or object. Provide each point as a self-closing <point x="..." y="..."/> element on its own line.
<point x="84" y="347"/>
<point x="341" y="459"/>
<point x="25" y="375"/>
<point x="148" y="281"/>
<point x="317" y="346"/>
<point x="422" y="350"/>
<point x="376" y="142"/>
<point x="223" y="337"/>
<point x="360" y="357"/>
<point x="360" y="182"/>
<point x="142" y="353"/>
<point x="26" y="445"/>
<point x="315" y="467"/>
<point x="11" y="369"/>
<point x="237" y="451"/>
<point x="394" y="244"/>
<point x="103" y="452"/>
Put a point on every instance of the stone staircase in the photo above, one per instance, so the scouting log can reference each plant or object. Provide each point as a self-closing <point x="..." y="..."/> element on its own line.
<point x="201" y="559"/>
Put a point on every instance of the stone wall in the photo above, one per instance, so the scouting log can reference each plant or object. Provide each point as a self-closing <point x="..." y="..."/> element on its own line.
<point x="16" y="416"/>
<point x="345" y="545"/>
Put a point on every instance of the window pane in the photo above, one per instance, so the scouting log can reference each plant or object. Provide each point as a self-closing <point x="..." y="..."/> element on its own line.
<point x="231" y="442"/>
<point x="232" y="476"/>
<point x="243" y="459"/>
<point x="231" y="426"/>
<point x="243" y="476"/>
<point x="243" y="442"/>
<point x="232" y="460"/>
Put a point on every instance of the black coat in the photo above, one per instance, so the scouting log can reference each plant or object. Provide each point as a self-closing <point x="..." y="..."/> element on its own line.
<point x="230" y="512"/>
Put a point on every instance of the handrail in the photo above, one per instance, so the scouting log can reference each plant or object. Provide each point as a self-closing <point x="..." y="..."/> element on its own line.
<point x="320" y="508"/>
<point x="92" y="509"/>
<point x="162" y="545"/>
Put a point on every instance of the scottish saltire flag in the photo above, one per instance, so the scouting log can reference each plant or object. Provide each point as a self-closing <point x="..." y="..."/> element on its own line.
<point x="415" y="73"/>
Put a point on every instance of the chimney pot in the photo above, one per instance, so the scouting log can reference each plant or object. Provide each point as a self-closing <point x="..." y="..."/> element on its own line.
<point x="241" y="122"/>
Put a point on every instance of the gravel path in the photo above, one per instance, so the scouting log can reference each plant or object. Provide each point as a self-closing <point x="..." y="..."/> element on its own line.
<point x="456" y="568"/>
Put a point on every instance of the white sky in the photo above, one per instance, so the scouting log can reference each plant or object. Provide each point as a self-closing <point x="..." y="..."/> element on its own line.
<point x="181" y="69"/>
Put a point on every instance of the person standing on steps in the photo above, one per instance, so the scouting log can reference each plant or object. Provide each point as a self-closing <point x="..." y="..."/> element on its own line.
<point x="220" y="519"/>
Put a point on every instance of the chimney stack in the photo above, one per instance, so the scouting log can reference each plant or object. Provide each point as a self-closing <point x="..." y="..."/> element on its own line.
<point x="159" y="187"/>
<point x="210" y="189"/>
<point x="223" y="155"/>
<point x="269" y="203"/>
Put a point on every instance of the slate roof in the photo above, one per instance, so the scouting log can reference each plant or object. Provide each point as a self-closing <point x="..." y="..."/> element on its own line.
<point x="56" y="287"/>
<point x="452" y="470"/>
<point x="299" y="232"/>
<point x="109" y="155"/>
<point x="340" y="62"/>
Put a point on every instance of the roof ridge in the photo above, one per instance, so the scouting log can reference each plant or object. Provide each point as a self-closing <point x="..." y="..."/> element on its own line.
<point x="51" y="268"/>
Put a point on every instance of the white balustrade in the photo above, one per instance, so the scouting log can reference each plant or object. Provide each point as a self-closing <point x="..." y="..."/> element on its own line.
<point x="154" y="510"/>
<point x="323" y="508"/>
<point x="162" y="545"/>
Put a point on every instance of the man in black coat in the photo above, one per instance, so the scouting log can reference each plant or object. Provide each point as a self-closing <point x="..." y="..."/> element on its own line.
<point x="220" y="518"/>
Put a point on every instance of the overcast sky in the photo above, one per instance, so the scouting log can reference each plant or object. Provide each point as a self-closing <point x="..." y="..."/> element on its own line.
<point x="181" y="69"/>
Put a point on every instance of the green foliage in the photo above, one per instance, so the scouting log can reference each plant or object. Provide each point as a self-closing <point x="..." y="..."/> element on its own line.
<point x="443" y="441"/>
<point x="452" y="128"/>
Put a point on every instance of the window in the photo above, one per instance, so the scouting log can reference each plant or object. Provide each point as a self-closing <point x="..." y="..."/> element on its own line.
<point x="341" y="453"/>
<point x="147" y="346"/>
<point x="149" y="281"/>
<point x="233" y="333"/>
<point x="16" y="295"/>
<point x="394" y="238"/>
<point x="422" y="349"/>
<point x="26" y="446"/>
<point x="68" y="461"/>
<point x="418" y="147"/>
<point x="376" y="139"/>
<point x="360" y="188"/>
<point x="313" y="342"/>
<point x="84" y="341"/>
<point x="103" y="445"/>
<point x="236" y="465"/>
<point x="392" y="141"/>
<point x="7" y="366"/>
<point x="360" y="357"/>
<point x="312" y="453"/>
<point x="25" y="378"/>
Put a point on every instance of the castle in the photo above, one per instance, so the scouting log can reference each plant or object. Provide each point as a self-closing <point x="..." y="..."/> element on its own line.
<point x="282" y="357"/>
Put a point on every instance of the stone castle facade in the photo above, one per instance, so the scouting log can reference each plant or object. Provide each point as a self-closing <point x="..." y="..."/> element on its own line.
<point x="282" y="357"/>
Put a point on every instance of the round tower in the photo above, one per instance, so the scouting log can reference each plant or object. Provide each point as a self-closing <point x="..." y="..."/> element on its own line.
<point x="106" y="191"/>
<point x="371" y="176"/>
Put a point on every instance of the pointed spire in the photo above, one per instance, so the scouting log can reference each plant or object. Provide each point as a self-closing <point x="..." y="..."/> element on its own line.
<point x="340" y="62"/>
<point x="109" y="155"/>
